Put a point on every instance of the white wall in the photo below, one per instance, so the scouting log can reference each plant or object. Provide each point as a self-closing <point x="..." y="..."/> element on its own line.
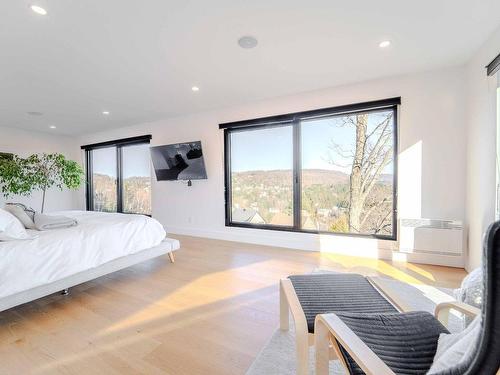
<point x="24" y="143"/>
<point x="481" y="146"/>
<point x="431" y="169"/>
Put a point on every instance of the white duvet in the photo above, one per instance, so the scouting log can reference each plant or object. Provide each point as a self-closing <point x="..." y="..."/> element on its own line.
<point x="53" y="255"/>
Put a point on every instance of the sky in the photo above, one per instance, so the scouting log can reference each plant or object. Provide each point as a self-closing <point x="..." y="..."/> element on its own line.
<point x="270" y="149"/>
<point x="136" y="161"/>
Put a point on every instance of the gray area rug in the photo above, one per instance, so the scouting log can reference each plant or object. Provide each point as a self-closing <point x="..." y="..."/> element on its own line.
<point x="278" y="355"/>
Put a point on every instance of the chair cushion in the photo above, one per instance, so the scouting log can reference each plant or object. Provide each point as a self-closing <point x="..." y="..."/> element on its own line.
<point x="340" y="292"/>
<point x="406" y="342"/>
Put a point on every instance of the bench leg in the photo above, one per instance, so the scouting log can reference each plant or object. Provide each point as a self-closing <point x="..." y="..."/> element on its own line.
<point x="322" y="345"/>
<point x="284" y="310"/>
<point x="289" y="302"/>
<point x="302" y="343"/>
<point x="171" y="256"/>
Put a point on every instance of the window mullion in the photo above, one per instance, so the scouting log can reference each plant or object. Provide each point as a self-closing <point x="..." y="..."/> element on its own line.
<point x="227" y="176"/>
<point x="119" y="179"/>
<point x="90" y="182"/>
<point x="297" y="175"/>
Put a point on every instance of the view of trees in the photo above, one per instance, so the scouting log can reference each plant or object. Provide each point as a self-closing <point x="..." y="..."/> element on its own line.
<point x="325" y="203"/>
<point x="353" y="195"/>
<point x="370" y="200"/>
<point x="104" y="192"/>
<point x="136" y="194"/>
<point x="270" y="193"/>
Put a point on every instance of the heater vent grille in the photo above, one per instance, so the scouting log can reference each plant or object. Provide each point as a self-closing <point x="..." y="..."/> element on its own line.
<point x="432" y="223"/>
<point x="431" y="236"/>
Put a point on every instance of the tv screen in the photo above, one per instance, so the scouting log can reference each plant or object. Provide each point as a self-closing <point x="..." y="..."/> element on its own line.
<point x="180" y="161"/>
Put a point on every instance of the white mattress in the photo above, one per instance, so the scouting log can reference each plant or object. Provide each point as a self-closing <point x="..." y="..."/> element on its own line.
<point x="53" y="255"/>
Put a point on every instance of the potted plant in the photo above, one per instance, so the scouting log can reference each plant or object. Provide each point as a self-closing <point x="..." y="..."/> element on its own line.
<point x="22" y="176"/>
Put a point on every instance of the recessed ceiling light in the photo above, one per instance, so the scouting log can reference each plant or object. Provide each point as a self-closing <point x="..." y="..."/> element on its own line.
<point x="384" y="44"/>
<point x="52" y="126"/>
<point x="105" y="113"/>
<point x="34" y="113"/>
<point x="247" y="42"/>
<point x="38" y="10"/>
<point x="195" y="88"/>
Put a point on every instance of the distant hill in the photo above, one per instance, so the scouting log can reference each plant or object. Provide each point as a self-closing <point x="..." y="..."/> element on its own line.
<point x="323" y="177"/>
<point x="309" y="177"/>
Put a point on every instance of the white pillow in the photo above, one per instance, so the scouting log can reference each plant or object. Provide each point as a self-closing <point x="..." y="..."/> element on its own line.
<point x="471" y="291"/>
<point x="11" y="228"/>
<point x="454" y="348"/>
<point x="21" y="215"/>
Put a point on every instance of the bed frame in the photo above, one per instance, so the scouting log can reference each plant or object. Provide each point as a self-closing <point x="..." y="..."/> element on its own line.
<point x="167" y="246"/>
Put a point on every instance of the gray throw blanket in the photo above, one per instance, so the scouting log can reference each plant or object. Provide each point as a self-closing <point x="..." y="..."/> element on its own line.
<point x="48" y="222"/>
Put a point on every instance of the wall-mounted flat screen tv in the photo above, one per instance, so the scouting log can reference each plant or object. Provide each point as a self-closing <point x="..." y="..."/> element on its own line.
<point x="180" y="161"/>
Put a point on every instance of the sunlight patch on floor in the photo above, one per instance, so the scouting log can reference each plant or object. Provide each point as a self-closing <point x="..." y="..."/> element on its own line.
<point x="369" y="266"/>
<point x="420" y="271"/>
<point x="181" y="300"/>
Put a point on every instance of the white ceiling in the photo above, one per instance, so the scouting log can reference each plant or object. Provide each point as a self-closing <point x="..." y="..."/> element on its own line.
<point x="139" y="59"/>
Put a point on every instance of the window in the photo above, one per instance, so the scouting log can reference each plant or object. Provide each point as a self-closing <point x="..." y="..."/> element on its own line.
<point x="104" y="179"/>
<point x="136" y="173"/>
<point x="324" y="171"/>
<point x="262" y="187"/>
<point x="119" y="176"/>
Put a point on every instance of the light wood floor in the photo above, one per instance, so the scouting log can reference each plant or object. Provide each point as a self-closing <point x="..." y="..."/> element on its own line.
<point x="208" y="313"/>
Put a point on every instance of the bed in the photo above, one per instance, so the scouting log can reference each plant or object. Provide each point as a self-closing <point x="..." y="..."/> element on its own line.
<point x="58" y="259"/>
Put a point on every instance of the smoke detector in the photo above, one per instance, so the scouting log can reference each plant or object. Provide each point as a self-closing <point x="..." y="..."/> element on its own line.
<point x="247" y="42"/>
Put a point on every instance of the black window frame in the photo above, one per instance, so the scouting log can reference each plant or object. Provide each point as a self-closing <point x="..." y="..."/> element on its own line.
<point x="294" y="120"/>
<point x="494" y="66"/>
<point x="119" y="144"/>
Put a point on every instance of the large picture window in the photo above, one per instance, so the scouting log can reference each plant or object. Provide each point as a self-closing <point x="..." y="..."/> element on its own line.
<point x="262" y="187"/>
<point x="119" y="176"/>
<point x="324" y="171"/>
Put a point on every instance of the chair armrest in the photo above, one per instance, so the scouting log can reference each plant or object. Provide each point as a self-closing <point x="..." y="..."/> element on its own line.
<point x="369" y="362"/>
<point x="442" y="311"/>
<point x="387" y="291"/>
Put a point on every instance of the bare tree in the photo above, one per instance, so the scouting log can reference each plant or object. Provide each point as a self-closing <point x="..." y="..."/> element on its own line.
<point x="371" y="153"/>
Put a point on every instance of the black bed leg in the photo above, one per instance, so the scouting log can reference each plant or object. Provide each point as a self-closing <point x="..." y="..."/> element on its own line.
<point x="65" y="292"/>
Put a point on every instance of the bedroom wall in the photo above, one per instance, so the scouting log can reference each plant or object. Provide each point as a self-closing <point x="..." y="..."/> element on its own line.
<point x="431" y="164"/>
<point x="24" y="143"/>
<point x="481" y="146"/>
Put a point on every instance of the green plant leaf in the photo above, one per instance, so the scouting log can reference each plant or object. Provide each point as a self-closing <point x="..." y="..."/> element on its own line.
<point x="22" y="176"/>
